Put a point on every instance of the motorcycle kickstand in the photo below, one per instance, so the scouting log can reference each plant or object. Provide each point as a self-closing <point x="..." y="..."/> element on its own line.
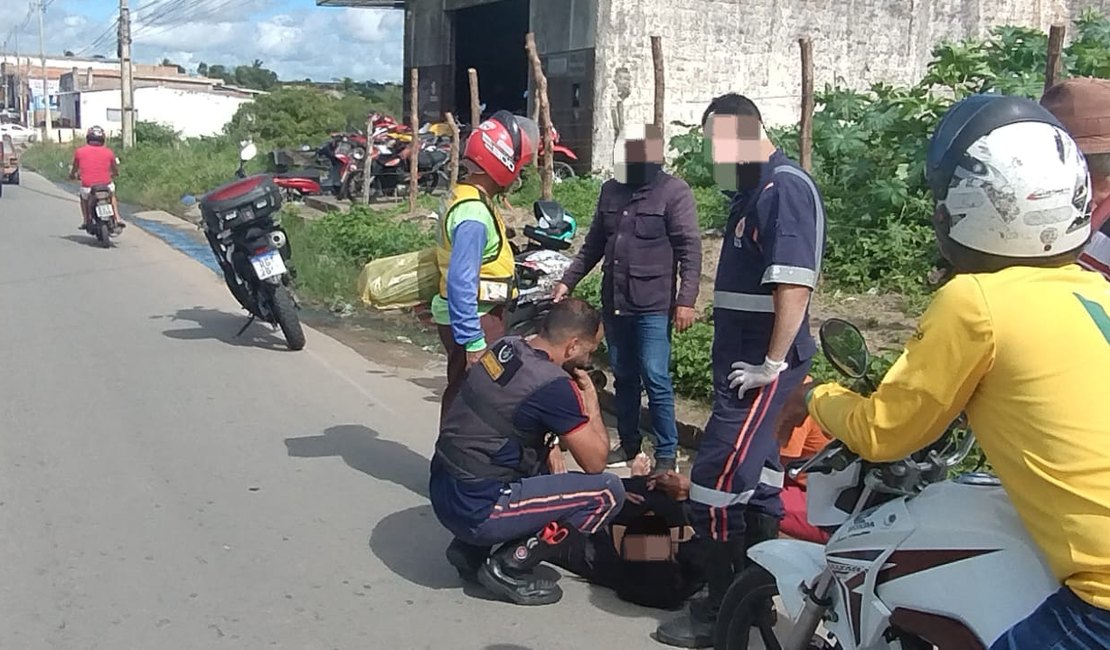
<point x="250" y="321"/>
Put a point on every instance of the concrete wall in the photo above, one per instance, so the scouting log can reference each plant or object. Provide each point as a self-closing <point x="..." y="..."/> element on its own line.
<point x="191" y="113"/>
<point x="750" y="46"/>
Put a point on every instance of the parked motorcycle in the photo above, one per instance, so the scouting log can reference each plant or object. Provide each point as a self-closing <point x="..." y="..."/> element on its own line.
<point x="561" y="170"/>
<point x="388" y="165"/>
<point x="540" y="265"/>
<point x="252" y="248"/>
<point x="918" y="560"/>
<point x="103" y="219"/>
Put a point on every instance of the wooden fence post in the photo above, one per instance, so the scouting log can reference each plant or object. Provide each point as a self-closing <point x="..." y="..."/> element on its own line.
<point x="660" y="94"/>
<point x="547" y="159"/>
<point x="1054" y="65"/>
<point x="805" y="135"/>
<point x="365" y="163"/>
<point x="414" y="147"/>
<point x="475" y="105"/>
<point x="455" y="144"/>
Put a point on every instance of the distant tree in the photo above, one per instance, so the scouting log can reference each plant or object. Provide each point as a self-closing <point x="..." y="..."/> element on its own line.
<point x="288" y="117"/>
<point x="69" y="53"/>
<point x="202" y="69"/>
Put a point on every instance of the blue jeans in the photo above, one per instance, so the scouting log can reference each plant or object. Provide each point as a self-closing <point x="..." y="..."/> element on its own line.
<point x="640" y="358"/>
<point x="1062" y="622"/>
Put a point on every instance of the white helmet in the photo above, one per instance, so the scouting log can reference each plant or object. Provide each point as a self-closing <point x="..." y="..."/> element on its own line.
<point x="1011" y="180"/>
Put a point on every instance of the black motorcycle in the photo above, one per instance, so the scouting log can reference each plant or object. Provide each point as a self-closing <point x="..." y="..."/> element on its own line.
<point x="389" y="170"/>
<point x="102" y="215"/>
<point x="252" y="249"/>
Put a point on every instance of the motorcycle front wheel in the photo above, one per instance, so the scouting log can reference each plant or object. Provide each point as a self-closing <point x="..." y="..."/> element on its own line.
<point x="285" y="313"/>
<point x="748" y="610"/>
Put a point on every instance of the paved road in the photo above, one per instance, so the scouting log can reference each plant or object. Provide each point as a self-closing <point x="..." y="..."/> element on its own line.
<point x="163" y="485"/>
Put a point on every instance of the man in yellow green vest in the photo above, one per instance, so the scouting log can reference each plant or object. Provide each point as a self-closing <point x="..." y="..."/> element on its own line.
<point x="475" y="260"/>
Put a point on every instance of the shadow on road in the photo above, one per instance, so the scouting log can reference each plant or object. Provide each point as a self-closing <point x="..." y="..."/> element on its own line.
<point x="434" y="384"/>
<point x="87" y="240"/>
<point x="364" y="449"/>
<point x="222" y="326"/>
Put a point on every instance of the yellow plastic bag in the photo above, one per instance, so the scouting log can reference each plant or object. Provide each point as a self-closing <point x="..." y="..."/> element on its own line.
<point x="400" y="281"/>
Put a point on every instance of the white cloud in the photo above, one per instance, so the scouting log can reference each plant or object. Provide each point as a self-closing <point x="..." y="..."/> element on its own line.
<point x="317" y="42"/>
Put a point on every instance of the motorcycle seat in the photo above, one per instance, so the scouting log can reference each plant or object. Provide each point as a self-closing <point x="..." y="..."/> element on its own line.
<point x="100" y="188"/>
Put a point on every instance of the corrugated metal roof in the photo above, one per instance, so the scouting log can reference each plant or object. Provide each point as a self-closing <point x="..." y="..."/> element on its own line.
<point x="389" y="4"/>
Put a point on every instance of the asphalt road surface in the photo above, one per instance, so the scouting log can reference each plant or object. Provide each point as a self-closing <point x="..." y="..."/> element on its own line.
<point x="164" y="485"/>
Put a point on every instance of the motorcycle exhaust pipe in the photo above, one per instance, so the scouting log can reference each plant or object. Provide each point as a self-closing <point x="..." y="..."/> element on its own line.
<point x="277" y="239"/>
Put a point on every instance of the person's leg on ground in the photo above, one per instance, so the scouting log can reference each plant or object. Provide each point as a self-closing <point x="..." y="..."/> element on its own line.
<point x="653" y="332"/>
<point x="493" y="327"/>
<point x="534" y="517"/>
<point x="735" y="488"/>
<point x="1063" y="621"/>
<point x="624" y="361"/>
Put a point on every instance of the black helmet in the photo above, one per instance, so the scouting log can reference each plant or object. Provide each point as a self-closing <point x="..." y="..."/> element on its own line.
<point x="95" y="135"/>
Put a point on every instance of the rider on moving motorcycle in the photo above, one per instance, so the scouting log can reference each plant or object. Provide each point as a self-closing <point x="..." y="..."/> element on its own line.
<point x="1019" y="339"/>
<point x="95" y="164"/>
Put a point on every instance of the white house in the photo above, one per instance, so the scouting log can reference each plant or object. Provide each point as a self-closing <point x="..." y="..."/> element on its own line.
<point x="192" y="112"/>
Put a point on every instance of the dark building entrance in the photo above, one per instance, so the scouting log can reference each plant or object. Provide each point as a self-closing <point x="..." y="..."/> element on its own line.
<point x="490" y="39"/>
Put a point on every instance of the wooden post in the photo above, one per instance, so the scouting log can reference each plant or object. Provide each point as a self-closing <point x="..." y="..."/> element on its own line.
<point x="805" y="136"/>
<point x="455" y="144"/>
<point x="660" y="94"/>
<point x="414" y="147"/>
<point x="547" y="159"/>
<point x="475" y="105"/>
<point x="365" y="163"/>
<point x="1054" y="65"/>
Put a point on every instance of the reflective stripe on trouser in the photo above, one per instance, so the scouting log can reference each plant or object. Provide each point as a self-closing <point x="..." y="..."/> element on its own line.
<point x="737" y="465"/>
<point x="584" y="501"/>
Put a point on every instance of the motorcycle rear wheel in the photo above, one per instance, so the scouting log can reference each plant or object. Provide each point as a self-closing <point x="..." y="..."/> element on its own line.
<point x="104" y="234"/>
<point x="748" y="607"/>
<point x="285" y="313"/>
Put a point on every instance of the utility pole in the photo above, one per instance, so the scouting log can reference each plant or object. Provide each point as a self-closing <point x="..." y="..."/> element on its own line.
<point x="127" y="98"/>
<point x="47" y="126"/>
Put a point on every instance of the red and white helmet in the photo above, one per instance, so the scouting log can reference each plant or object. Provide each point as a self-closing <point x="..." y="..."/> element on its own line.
<point x="502" y="146"/>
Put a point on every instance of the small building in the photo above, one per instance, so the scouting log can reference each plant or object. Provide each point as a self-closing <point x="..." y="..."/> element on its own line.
<point x="597" y="53"/>
<point x="192" y="106"/>
<point x="21" y="81"/>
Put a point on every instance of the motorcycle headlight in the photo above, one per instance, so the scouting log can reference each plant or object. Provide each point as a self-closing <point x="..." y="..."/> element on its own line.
<point x="358" y="155"/>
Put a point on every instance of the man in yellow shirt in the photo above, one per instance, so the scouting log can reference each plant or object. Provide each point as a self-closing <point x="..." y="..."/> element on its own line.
<point x="1019" y="339"/>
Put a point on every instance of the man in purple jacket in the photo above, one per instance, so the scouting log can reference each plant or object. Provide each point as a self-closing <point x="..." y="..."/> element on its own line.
<point x="646" y="229"/>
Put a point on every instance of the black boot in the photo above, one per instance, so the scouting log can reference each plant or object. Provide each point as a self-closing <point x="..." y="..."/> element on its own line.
<point x="466" y="558"/>
<point x="508" y="572"/>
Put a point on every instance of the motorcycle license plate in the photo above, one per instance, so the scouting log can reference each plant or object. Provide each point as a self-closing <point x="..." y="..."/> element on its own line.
<point x="268" y="264"/>
<point x="104" y="210"/>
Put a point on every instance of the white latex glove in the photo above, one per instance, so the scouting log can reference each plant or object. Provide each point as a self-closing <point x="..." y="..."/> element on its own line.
<point x="747" y="376"/>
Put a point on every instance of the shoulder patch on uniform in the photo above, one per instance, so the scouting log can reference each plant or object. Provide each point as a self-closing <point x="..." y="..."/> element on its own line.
<point x="501" y="362"/>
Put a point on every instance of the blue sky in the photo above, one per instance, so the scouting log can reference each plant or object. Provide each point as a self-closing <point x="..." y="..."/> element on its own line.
<point x="294" y="37"/>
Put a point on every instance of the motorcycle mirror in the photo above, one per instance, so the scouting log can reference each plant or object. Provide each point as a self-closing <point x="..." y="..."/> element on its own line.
<point x="845" y="347"/>
<point x="248" y="152"/>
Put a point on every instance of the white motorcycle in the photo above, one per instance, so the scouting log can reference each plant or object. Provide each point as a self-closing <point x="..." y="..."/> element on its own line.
<point x="918" y="560"/>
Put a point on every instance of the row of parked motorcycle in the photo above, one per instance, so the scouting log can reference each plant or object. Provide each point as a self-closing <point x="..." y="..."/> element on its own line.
<point x="240" y="221"/>
<point x="343" y="164"/>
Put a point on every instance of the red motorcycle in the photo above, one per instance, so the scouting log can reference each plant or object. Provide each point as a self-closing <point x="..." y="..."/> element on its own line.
<point x="561" y="169"/>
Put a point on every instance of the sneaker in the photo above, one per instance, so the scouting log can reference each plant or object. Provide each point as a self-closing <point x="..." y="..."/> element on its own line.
<point x="620" y="456"/>
<point x="666" y="464"/>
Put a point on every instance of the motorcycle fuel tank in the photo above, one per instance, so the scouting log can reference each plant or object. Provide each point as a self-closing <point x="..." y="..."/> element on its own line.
<point x="954" y="561"/>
